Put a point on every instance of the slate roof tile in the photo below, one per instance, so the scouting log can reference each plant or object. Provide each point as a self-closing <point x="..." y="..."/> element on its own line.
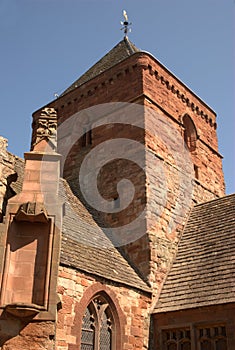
<point x="85" y="246"/>
<point x="121" y="51"/>
<point x="204" y="269"/>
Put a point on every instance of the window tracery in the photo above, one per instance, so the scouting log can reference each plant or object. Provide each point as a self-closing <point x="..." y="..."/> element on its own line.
<point x="98" y="326"/>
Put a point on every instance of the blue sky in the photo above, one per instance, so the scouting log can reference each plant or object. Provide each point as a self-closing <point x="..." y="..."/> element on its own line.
<point x="47" y="44"/>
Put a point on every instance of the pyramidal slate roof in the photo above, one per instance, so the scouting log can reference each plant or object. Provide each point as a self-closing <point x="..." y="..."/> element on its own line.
<point x="204" y="270"/>
<point x="120" y="52"/>
<point x="85" y="246"/>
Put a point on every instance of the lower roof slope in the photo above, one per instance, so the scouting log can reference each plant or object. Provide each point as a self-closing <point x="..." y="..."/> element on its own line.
<point x="204" y="270"/>
<point x="85" y="246"/>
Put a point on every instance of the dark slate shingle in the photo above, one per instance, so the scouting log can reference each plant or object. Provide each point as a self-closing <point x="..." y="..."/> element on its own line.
<point x="121" y="51"/>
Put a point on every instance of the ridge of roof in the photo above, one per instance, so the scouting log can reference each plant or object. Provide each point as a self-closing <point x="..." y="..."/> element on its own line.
<point x="203" y="270"/>
<point x="118" y="53"/>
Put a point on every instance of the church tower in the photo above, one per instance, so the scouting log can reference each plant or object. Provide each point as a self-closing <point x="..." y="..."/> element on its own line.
<point x="170" y="163"/>
<point x="113" y="241"/>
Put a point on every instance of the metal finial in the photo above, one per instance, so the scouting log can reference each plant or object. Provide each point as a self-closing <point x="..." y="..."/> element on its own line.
<point x="125" y="24"/>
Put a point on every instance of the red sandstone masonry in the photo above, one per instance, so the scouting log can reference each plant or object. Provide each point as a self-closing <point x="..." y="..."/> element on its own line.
<point x="33" y="336"/>
<point x="10" y="167"/>
<point x="147" y="77"/>
<point x="75" y="296"/>
<point x="144" y="80"/>
<point x="29" y="254"/>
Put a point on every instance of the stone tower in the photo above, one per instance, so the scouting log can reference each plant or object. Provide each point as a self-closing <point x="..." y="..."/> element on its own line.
<point x="172" y="157"/>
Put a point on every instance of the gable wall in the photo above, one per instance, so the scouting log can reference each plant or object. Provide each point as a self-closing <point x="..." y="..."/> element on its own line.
<point x="76" y="289"/>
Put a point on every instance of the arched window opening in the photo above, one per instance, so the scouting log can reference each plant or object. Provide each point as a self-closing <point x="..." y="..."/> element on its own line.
<point x="190" y="133"/>
<point x="98" y="326"/>
<point x="88" y="330"/>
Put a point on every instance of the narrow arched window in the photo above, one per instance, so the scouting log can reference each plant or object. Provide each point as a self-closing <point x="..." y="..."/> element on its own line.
<point x="190" y="133"/>
<point x="98" y="326"/>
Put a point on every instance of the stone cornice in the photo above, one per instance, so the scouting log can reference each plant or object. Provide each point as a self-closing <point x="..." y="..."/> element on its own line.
<point x="180" y="123"/>
<point x="180" y="95"/>
<point x="91" y="87"/>
<point x="88" y="89"/>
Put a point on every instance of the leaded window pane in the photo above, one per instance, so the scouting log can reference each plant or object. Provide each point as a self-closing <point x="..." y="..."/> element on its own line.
<point x="221" y="344"/>
<point x="185" y="346"/>
<point x="176" y="339"/>
<point x="105" y="333"/>
<point x="172" y="346"/>
<point x="206" y="345"/>
<point x="87" y="341"/>
<point x="97" y="326"/>
<point x="212" y="338"/>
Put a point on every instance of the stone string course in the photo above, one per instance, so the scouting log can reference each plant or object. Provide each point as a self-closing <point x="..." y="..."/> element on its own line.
<point x="196" y="109"/>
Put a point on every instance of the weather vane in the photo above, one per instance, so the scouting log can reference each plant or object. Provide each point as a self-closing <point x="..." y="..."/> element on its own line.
<point x="125" y="24"/>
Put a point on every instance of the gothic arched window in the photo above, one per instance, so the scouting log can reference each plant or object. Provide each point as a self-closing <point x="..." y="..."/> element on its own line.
<point x="98" y="328"/>
<point x="190" y="133"/>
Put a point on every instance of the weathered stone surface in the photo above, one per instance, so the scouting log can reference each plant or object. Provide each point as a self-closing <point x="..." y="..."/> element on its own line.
<point x="134" y="308"/>
<point x="145" y="81"/>
<point x="24" y="335"/>
<point x="11" y="175"/>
